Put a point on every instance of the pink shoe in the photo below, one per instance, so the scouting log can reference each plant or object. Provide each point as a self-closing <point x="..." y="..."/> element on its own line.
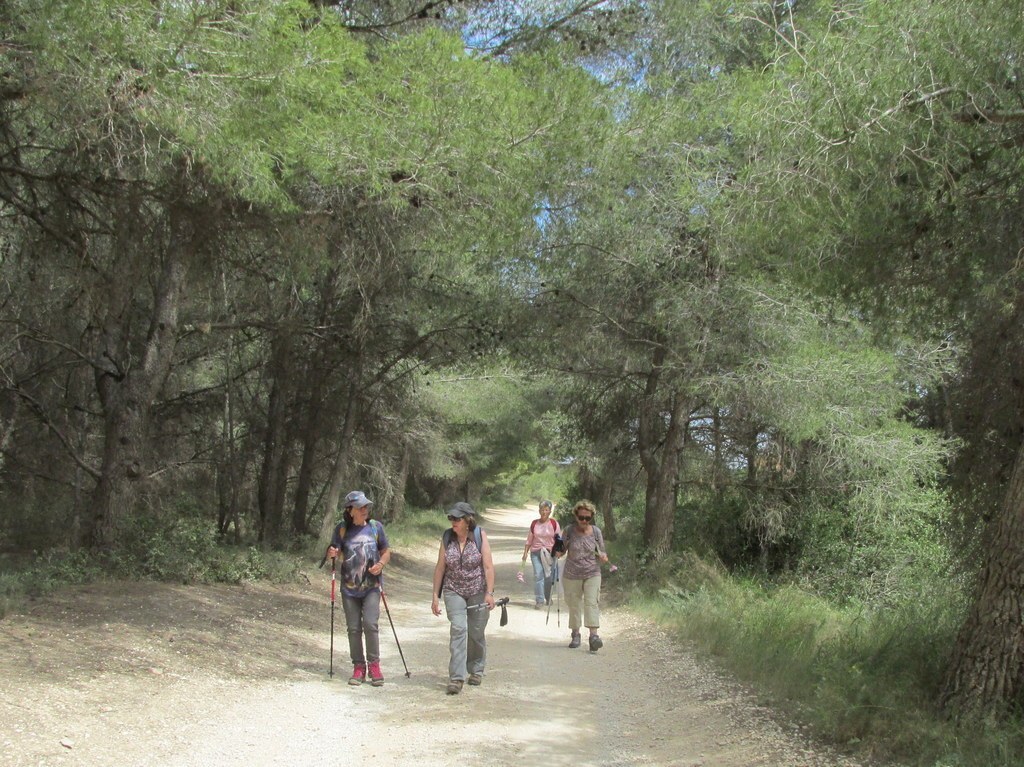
<point x="358" y="674"/>
<point x="376" y="676"/>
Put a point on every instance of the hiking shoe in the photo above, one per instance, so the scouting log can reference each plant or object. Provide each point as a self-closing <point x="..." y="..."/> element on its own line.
<point x="376" y="676"/>
<point x="595" y="643"/>
<point x="575" y="640"/>
<point x="475" y="679"/>
<point x="454" y="686"/>
<point x="358" y="674"/>
<point x="538" y="606"/>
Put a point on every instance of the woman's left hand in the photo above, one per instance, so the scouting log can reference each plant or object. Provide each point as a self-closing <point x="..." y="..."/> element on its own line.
<point x="376" y="568"/>
<point x="489" y="601"/>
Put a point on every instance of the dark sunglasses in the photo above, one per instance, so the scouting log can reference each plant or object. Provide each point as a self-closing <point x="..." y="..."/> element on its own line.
<point x="454" y="519"/>
<point x="584" y="519"/>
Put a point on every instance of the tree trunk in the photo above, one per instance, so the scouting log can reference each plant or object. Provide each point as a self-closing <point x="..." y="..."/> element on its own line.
<point x="312" y="429"/>
<point x="127" y="391"/>
<point x="663" y="482"/>
<point x="986" y="674"/>
<point x="271" y="492"/>
<point x="229" y="472"/>
<point x="604" y="505"/>
<point x="586" y="482"/>
<point x="398" y="500"/>
<point x="660" y="466"/>
<point x="311" y="433"/>
<point x="328" y="520"/>
<point x="718" y="456"/>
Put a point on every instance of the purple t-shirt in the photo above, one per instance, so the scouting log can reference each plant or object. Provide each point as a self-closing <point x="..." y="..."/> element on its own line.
<point x="360" y="547"/>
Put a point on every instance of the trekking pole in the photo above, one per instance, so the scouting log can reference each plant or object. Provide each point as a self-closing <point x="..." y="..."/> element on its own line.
<point x="502" y="603"/>
<point x="555" y="587"/>
<point x="386" y="610"/>
<point x="331" y="672"/>
<point x="558" y="597"/>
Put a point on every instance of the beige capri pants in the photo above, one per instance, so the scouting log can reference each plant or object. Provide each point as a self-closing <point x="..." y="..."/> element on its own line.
<point x="584" y="600"/>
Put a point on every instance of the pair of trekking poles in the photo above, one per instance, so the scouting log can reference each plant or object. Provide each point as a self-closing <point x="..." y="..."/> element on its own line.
<point x="555" y="578"/>
<point x="383" y="600"/>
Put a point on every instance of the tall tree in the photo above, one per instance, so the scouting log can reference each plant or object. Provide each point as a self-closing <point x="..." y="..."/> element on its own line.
<point x="895" y="184"/>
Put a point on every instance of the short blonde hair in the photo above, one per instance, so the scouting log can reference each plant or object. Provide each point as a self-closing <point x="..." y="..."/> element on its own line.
<point x="586" y="506"/>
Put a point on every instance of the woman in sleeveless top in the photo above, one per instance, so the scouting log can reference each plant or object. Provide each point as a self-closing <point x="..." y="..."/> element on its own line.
<point x="464" y="577"/>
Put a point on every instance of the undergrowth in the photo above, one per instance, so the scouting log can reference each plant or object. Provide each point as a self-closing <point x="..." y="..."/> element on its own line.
<point x="866" y="678"/>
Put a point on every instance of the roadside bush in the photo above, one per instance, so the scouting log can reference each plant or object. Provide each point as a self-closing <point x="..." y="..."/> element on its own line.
<point x="43" y="575"/>
<point x="865" y="675"/>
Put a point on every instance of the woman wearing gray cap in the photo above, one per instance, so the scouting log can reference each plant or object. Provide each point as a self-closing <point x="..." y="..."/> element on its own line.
<point x="464" y="575"/>
<point x="364" y="548"/>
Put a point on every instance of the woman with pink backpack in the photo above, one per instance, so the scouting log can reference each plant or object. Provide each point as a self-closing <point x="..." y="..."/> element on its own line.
<point x="539" y="544"/>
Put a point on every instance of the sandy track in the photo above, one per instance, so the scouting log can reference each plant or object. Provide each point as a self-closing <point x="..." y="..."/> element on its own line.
<point x="128" y="674"/>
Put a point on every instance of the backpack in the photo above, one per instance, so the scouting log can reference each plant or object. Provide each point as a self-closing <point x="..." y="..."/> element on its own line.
<point x="570" y="533"/>
<point x="446" y="538"/>
<point x="552" y="520"/>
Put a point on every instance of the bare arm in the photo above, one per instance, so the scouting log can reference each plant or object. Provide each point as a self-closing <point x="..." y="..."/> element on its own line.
<point x="378" y="566"/>
<point x="439" y="568"/>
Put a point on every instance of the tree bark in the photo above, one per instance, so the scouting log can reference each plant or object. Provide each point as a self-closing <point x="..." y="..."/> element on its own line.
<point x="604" y="505"/>
<point x="272" y="472"/>
<point x="328" y="520"/>
<point x="311" y="434"/>
<point x="127" y="392"/>
<point x="229" y="472"/>
<point x="660" y="462"/>
<point x="986" y="674"/>
<point x="397" y="508"/>
<point x="663" y="482"/>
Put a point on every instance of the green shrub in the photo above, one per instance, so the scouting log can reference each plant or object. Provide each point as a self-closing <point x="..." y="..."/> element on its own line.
<point x="859" y="673"/>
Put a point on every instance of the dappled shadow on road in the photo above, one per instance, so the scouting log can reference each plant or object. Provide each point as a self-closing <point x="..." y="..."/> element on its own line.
<point x="235" y="673"/>
<point x="158" y="629"/>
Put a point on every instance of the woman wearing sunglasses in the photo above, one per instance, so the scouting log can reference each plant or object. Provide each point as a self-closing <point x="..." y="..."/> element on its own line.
<point x="581" y="579"/>
<point x="464" y="578"/>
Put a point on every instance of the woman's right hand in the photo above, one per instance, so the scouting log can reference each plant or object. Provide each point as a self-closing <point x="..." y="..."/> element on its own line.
<point x="435" y="606"/>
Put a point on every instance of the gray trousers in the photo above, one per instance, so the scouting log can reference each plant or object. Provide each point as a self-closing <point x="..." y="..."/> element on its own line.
<point x="468" y="618"/>
<point x="362" y="614"/>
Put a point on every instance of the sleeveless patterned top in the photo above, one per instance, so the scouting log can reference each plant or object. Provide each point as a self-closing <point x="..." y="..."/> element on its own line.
<point x="464" y="570"/>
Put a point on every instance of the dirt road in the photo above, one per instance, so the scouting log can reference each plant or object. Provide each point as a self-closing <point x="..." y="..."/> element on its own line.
<point x="132" y="674"/>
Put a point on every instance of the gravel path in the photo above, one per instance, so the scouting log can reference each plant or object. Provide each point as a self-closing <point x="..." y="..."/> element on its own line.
<point x="132" y="674"/>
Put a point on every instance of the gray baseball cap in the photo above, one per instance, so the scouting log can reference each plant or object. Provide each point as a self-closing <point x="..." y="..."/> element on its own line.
<point x="357" y="499"/>
<point x="461" y="509"/>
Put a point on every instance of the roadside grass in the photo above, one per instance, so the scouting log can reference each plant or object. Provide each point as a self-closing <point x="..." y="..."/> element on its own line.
<point x="415" y="527"/>
<point x="866" y="679"/>
<point x="183" y="550"/>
